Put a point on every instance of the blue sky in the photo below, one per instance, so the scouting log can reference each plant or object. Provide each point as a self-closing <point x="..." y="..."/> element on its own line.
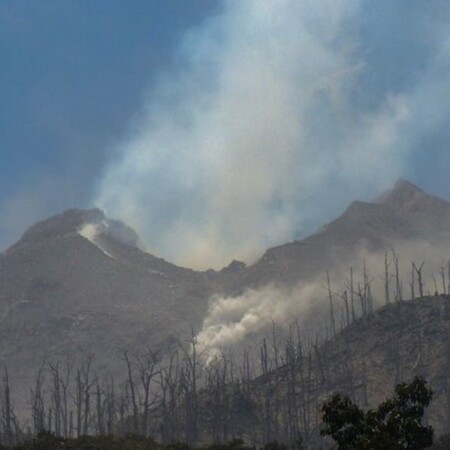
<point x="72" y="75"/>
<point x="184" y="117"/>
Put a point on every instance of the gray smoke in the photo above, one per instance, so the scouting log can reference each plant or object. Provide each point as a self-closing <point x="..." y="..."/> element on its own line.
<point x="232" y="321"/>
<point x="278" y="115"/>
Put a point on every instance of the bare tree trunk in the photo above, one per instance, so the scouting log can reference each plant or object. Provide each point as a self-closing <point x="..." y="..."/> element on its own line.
<point x="443" y="280"/>
<point x="275" y="345"/>
<point x="419" y="277"/>
<point x="147" y="367"/>
<point x="110" y="406"/>
<point x="387" y="299"/>
<point x="264" y="358"/>
<point x="7" y="413"/>
<point x="352" y="294"/>
<point x="37" y="403"/>
<point x="100" y="408"/>
<point x="191" y="375"/>
<point x="412" y="283"/>
<point x="83" y="386"/>
<point x="398" y="287"/>
<point x="56" y="397"/>
<point x="330" y="299"/>
<point x="133" y="394"/>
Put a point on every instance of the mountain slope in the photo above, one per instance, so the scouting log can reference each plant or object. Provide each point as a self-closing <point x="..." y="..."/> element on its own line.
<point x="403" y="214"/>
<point x="62" y="293"/>
<point x="79" y="281"/>
<point x="365" y="361"/>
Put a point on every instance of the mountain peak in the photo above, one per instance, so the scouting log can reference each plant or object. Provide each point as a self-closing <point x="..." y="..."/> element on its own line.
<point x="67" y="222"/>
<point x="405" y="196"/>
<point x="403" y="185"/>
<point x="75" y="221"/>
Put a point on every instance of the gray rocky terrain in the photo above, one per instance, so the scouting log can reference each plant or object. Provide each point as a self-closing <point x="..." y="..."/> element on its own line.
<point x="80" y="283"/>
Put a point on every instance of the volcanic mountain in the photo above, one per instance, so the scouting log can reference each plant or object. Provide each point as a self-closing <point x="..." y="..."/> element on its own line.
<point x="397" y="218"/>
<point x="78" y="283"/>
<point x="81" y="282"/>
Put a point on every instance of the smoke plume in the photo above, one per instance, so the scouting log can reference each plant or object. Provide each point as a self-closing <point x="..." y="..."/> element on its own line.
<point x="277" y="115"/>
<point x="232" y="321"/>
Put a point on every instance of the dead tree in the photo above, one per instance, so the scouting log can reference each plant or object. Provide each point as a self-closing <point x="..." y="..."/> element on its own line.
<point x="361" y="294"/>
<point x="364" y="291"/>
<point x="330" y="299"/>
<point x="293" y="367"/>
<point x="134" y="401"/>
<point x="274" y="345"/>
<point x="398" y="283"/>
<point x="100" y="404"/>
<point x="443" y="280"/>
<point x="7" y="410"/>
<point x="147" y="367"/>
<point x="433" y="278"/>
<point x="60" y="379"/>
<point x="217" y="411"/>
<point x="38" y="403"/>
<point x="344" y="297"/>
<point x="448" y="276"/>
<point x="387" y="263"/>
<point x="189" y="379"/>
<point x="82" y="397"/>
<point x="110" y="400"/>
<point x="413" y="282"/>
<point x="350" y="288"/>
<point x="418" y="271"/>
<point x="56" y="396"/>
<point x="264" y="358"/>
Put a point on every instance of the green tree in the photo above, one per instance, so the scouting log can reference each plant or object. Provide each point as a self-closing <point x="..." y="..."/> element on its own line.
<point x="396" y="424"/>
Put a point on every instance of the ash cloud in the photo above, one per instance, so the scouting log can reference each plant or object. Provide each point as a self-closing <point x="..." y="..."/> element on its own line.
<point x="279" y="114"/>
<point x="235" y="321"/>
<point x="231" y="321"/>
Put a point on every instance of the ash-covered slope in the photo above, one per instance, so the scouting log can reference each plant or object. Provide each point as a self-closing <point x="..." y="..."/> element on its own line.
<point x="364" y="361"/>
<point x="401" y="215"/>
<point x="78" y="281"/>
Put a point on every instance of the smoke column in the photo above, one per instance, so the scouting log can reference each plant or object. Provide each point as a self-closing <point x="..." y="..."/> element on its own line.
<point x="274" y="119"/>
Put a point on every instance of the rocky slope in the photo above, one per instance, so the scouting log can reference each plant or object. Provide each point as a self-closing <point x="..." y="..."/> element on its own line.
<point x="66" y="291"/>
<point x="365" y="361"/>
<point x="80" y="282"/>
<point x="402" y="215"/>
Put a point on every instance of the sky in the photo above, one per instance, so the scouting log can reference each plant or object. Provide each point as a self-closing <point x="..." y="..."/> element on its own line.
<point x="218" y="128"/>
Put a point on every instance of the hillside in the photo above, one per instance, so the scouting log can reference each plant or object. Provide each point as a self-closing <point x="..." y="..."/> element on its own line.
<point x="81" y="283"/>
<point x="365" y="361"/>
<point x="403" y="214"/>
<point x="63" y="294"/>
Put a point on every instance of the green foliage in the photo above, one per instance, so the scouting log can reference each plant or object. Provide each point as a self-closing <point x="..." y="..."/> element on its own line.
<point x="395" y="424"/>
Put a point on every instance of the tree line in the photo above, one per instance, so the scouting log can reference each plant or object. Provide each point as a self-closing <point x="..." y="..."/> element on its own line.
<point x="178" y="395"/>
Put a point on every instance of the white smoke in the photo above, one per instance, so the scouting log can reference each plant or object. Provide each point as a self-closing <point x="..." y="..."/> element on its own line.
<point x="231" y="320"/>
<point x="238" y="150"/>
<point x="91" y="231"/>
<point x="234" y="320"/>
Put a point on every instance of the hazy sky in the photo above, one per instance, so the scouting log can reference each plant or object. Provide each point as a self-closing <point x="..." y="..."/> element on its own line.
<point x="218" y="128"/>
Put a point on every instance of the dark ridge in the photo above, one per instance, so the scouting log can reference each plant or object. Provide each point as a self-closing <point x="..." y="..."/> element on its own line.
<point x="62" y="224"/>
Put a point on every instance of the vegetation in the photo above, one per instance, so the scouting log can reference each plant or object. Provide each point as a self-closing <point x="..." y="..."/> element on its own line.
<point x="272" y="397"/>
<point x="396" y="424"/>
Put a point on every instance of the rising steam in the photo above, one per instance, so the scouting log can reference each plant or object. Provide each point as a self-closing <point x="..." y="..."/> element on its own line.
<point x="270" y="125"/>
<point x="232" y="321"/>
